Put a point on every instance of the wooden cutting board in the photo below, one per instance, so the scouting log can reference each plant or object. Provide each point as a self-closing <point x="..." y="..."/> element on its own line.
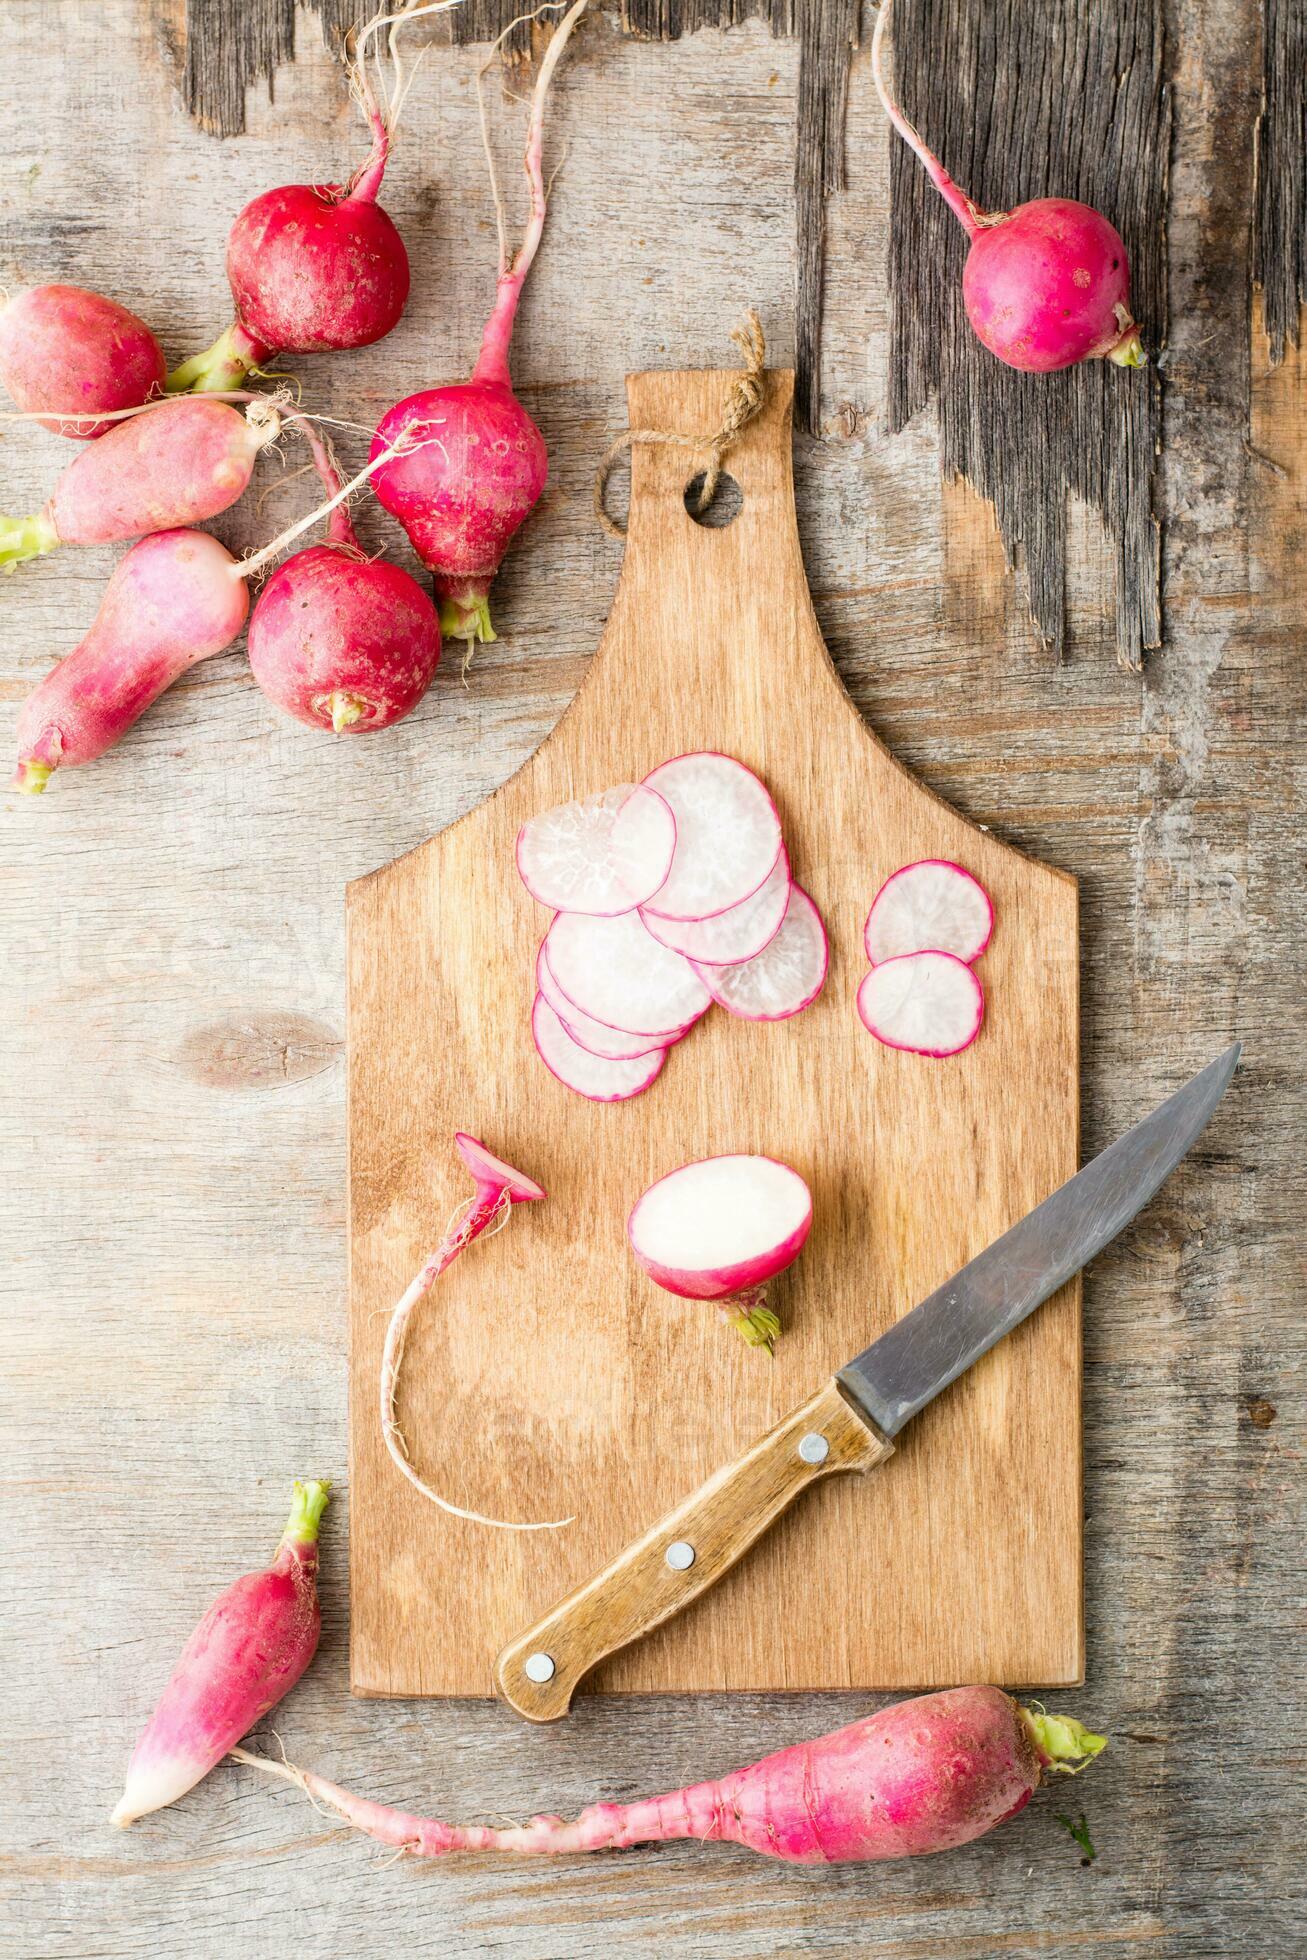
<point x="544" y="1376"/>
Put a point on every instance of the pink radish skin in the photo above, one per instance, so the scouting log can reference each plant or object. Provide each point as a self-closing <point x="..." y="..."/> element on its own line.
<point x="75" y="353"/>
<point x="592" y="1076"/>
<point x="601" y="855"/>
<point x="1047" y="285"/>
<point x="932" y="906"/>
<point x="608" y="1043"/>
<point x="730" y="937"/>
<point x="248" y="1651"/>
<point x="924" y="1003"/>
<point x="925" y="1775"/>
<point x="785" y="977"/>
<point x="728" y="835"/>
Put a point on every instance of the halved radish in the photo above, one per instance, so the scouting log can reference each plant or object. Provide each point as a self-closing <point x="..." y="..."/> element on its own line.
<point x="785" y="977"/>
<point x="590" y="1075"/>
<point x="933" y="906"/>
<point x="719" y="1229"/>
<point x="602" y="855"/>
<point x="728" y="835"/>
<point x="730" y="937"/>
<point x="610" y="1043"/>
<point x="614" y="972"/>
<point x="929" y="1003"/>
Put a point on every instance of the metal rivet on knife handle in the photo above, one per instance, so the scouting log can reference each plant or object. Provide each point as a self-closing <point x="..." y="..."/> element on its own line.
<point x="539" y="1668"/>
<point x="679" y="1555"/>
<point x="814" y="1448"/>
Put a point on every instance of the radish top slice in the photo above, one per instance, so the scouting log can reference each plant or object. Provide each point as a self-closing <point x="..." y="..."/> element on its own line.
<point x="602" y="855"/>
<point x="590" y="1075"/>
<point x="785" y="977"/>
<point x="728" y="835"/>
<point x="487" y="1169"/>
<point x="729" y="937"/>
<point x="613" y="971"/>
<point x="610" y="1043"/>
<point x="933" y="906"/>
<point x="929" y="1003"/>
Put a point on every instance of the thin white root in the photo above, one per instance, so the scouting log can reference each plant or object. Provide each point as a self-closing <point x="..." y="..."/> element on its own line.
<point x="401" y="447"/>
<point x="395" y="82"/>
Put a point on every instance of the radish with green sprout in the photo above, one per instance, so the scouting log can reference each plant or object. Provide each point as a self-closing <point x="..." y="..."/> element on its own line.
<point x="248" y="1651"/>
<point x="1046" y="285"/>
<point x="721" y="1229"/>
<point x="462" y="498"/>
<point x="925" y="1775"/>
<point x="68" y="356"/>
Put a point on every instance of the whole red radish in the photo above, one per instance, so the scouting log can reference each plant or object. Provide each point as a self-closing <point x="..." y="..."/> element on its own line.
<point x="1046" y="285"/>
<point x="248" y="1651"/>
<point x="925" y="1775"/>
<point x="76" y="353"/>
<point x="462" y="496"/>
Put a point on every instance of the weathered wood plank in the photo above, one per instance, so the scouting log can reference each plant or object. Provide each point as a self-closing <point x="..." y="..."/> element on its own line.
<point x="1280" y="226"/>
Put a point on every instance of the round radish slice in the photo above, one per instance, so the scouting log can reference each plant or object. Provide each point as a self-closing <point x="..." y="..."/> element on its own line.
<point x="730" y="937"/>
<point x="929" y="1003"/>
<point x="614" y="972"/>
<point x="930" y="907"/>
<point x="603" y="855"/>
<point x="576" y="1068"/>
<point x="610" y="1043"/>
<point x="728" y="835"/>
<point x="785" y="977"/>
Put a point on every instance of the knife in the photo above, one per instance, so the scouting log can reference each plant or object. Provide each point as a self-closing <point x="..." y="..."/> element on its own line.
<point x="849" y="1423"/>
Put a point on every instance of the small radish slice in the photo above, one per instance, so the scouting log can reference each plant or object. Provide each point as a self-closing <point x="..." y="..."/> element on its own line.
<point x="590" y="1075"/>
<point x="614" y="972"/>
<point x="610" y="1043"/>
<point x="728" y="835"/>
<point x="929" y="1003"/>
<point x="730" y="937"/>
<point x="930" y="907"/>
<point x="602" y="855"/>
<point x="785" y="977"/>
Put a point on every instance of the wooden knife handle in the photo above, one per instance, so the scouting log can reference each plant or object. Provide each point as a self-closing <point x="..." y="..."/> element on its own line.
<point x="684" y="1553"/>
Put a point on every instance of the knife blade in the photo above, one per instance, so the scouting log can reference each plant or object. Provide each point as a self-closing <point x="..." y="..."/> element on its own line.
<point x="849" y="1423"/>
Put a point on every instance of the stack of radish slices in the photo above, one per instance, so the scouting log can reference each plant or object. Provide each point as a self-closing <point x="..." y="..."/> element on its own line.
<point x="927" y="926"/>
<point x="667" y="895"/>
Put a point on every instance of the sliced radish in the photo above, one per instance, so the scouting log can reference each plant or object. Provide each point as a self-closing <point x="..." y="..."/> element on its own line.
<point x="610" y="1043"/>
<point x="614" y="972"/>
<point x="785" y="977"/>
<point x="602" y="855"/>
<point x="728" y="835"/>
<point x="590" y="1075"/>
<point x="930" y="907"/>
<point x="929" y="1003"/>
<point x="729" y="937"/>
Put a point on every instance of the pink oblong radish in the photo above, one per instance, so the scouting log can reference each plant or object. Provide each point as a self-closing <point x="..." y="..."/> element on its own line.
<point x="612" y="1044"/>
<point x="592" y="1076"/>
<point x="728" y="938"/>
<point x="928" y="1003"/>
<point x="933" y="906"/>
<point x="785" y="977"/>
<point x="613" y="971"/>
<point x="728" y="835"/>
<point x="601" y="855"/>
<point x="76" y="353"/>
<point x="720" y="1229"/>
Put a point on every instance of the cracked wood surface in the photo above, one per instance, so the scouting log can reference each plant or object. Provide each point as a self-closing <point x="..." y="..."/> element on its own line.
<point x="172" y="1115"/>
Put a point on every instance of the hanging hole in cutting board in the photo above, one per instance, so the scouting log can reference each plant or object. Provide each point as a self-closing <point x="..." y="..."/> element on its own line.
<point x="725" y="506"/>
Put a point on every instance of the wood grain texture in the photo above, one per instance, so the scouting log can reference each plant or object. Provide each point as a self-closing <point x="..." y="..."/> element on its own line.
<point x="1022" y="101"/>
<point x="1280" y="225"/>
<point x="531" y="1379"/>
<point x="172" y="1291"/>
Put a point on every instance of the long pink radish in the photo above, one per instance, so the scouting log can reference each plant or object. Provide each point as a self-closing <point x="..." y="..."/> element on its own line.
<point x="248" y="1651"/>
<point x="596" y="1077"/>
<point x="720" y="1229"/>
<point x="614" y="972"/>
<point x="928" y="1003"/>
<point x="785" y="977"/>
<point x="69" y="356"/>
<point x="611" y="1044"/>
<point x="601" y="855"/>
<point x="728" y="938"/>
<point x="933" y="906"/>
<point x="728" y="835"/>
<point x="1046" y="285"/>
<point x="925" y="1775"/>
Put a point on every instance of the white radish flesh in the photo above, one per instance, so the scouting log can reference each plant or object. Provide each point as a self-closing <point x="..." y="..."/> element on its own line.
<point x="602" y="855"/>
<point x="785" y="977"/>
<point x="930" y="907"/>
<point x="590" y="1075"/>
<point x="730" y="937"/>
<point x="610" y="1043"/>
<point x="928" y="1003"/>
<point x="614" y="972"/>
<point x="728" y="835"/>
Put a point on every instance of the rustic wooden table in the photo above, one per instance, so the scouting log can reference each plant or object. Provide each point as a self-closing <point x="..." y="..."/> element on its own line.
<point x="172" y="1114"/>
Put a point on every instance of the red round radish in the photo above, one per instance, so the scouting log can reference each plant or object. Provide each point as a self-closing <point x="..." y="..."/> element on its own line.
<point x="785" y="977"/>
<point x="613" y="971"/>
<point x="592" y="1076"/>
<point x="727" y="938"/>
<point x="76" y="353"/>
<point x="728" y="835"/>
<point x="931" y="906"/>
<point x="928" y="1003"/>
<point x="611" y="1043"/>
<point x="601" y="855"/>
